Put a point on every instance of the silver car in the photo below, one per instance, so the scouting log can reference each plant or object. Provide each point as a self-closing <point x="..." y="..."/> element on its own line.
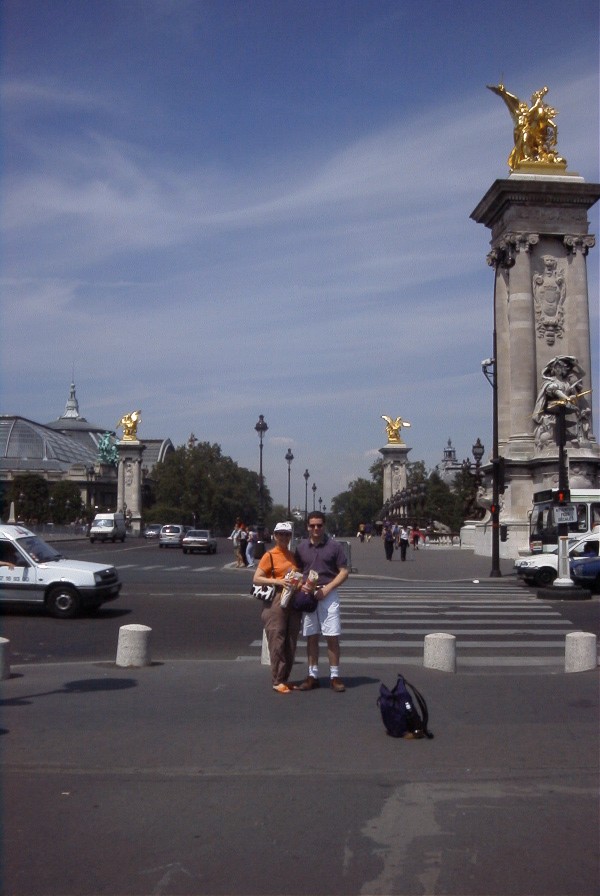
<point x="171" y="536"/>
<point x="199" y="540"/>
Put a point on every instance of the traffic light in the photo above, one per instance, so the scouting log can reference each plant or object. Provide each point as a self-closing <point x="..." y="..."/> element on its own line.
<point x="562" y="496"/>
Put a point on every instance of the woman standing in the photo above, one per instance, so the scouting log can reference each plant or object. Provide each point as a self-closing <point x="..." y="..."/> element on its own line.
<point x="282" y="624"/>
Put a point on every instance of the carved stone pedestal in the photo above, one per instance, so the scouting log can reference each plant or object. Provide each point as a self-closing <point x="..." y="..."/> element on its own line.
<point x="129" y="491"/>
<point x="394" y="469"/>
<point x="540" y="242"/>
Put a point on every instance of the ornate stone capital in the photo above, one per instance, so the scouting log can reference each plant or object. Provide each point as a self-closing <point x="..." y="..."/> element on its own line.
<point x="577" y="243"/>
<point x="520" y="242"/>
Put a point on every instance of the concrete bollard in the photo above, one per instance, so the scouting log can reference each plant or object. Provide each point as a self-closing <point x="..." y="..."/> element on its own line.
<point x="581" y="652"/>
<point x="439" y="652"/>
<point x="4" y="658"/>
<point x="265" y="655"/>
<point x="133" y="648"/>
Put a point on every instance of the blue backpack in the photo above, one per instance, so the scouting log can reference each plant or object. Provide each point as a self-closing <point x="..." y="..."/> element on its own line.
<point x="403" y="715"/>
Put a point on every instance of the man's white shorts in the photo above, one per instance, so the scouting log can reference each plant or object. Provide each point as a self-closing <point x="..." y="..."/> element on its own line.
<point x="326" y="618"/>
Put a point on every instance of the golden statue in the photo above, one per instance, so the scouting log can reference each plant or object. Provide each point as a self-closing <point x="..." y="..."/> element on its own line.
<point x="535" y="132"/>
<point x="394" y="429"/>
<point x="129" y="424"/>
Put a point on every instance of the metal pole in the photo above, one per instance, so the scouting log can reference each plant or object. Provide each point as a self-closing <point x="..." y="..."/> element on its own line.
<point x="306" y="475"/>
<point x="289" y="458"/>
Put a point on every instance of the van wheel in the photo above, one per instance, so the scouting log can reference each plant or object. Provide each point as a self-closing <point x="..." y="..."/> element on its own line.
<point x="63" y="602"/>
<point x="545" y="577"/>
<point x="92" y="540"/>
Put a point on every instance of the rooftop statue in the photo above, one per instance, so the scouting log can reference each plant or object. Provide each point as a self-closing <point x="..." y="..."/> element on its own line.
<point x="107" y="450"/>
<point x="129" y="424"/>
<point x="394" y="429"/>
<point x="535" y="131"/>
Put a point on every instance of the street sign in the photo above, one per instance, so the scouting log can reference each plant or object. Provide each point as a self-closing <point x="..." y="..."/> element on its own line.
<point x="565" y="514"/>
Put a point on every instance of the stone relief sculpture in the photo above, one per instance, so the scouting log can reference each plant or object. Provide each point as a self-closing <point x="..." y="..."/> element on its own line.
<point x="549" y="292"/>
<point x="534" y="132"/>
<point x="107" y="450"/>
<point x="561" y="388"/>
<point x="129" y="424"/>
<point x="394" y="429"/>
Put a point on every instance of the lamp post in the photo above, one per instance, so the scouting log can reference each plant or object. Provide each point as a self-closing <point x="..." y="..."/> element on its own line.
<point x="491" y="374"/>
<point x="314" y="491"/>
<point x="261" y="428"/>
<point x="478" y="450"/>
<point x="321" y="504"/>
<point x="306" y="475"/>
<point x="289" y="458"/>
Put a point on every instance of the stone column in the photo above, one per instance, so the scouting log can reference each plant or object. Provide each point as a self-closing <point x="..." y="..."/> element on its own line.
<point x="130" y="482"/>
<point x="394" y="469"/>
<point x="521" y="324"/>
<point x="579" y="337"/>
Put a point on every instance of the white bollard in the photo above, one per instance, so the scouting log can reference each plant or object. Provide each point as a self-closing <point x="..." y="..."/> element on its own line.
<point x="439" y="652"/>
<point x="265" y="655"/>
<point x="4" y="658"/>
<point x="133" y="648"/>
<point x="581" y="652"/>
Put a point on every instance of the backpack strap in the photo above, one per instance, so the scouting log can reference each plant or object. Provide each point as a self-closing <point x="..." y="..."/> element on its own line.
<point x="422" y="706"/>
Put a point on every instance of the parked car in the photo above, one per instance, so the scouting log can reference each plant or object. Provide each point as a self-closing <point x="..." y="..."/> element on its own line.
<point x="585" y="571"/>
<point x="199" y="540"/>
<point x="152" y="530"/>
<point x="542" y="569"/>
<point x="171" y="536"/>
<point x="33" y="572"/>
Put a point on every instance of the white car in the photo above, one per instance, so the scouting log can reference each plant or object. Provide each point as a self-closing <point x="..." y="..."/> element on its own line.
<point x="199" y="540"/>
<point x="33" y="572"/>
<point x="542" y="569"/>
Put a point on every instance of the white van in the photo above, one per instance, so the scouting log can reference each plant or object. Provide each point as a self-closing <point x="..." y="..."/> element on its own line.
<point x="108" y="527"/>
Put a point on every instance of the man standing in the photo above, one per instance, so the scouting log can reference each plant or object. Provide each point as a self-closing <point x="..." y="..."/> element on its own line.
<point x="327" y="557"/>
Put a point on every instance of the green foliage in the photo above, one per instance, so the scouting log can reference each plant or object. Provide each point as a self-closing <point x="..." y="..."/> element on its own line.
<point x="66" y="502"/>
<point x="30" y="494"/>
<point x="204" y="487"/>
<point x="359" y="504"/>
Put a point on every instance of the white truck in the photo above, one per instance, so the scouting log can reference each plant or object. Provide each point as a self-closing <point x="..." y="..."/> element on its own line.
<point x="108" y="527"/>
<point x="33" y="572"/>
<point x="542" y="569"/>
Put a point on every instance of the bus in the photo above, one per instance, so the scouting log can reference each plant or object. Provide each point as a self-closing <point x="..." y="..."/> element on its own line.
<point x="582" y="515"/>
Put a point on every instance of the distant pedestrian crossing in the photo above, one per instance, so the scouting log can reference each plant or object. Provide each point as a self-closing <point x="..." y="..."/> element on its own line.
<point x="497" y="624"/>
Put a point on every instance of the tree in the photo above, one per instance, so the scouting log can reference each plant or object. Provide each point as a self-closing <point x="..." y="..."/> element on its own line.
<point x="361" y="503"/>
<point x="66" y="502"/>
<point x="201" y="486"/>
<point x="30" y="493"/>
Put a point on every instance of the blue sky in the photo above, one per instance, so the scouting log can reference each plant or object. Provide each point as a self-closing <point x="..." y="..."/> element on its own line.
<point x="212" y="210"/>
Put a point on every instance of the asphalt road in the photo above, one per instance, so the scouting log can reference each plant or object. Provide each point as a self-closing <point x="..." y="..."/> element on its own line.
<point x="190" y="776"/>
<point x="198" y="606"/>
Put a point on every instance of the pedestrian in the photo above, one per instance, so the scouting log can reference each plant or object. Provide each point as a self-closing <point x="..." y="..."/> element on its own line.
<point x="243" y="543"/>
<point x="403" y="539"/>
<point x="235" y="539"/>
<point x="387" y="534"/>
<point x="252" y="537"/>
<point x="281" y="624"/>
<point x="324" y="555"/>
<point x="415" y="537"/>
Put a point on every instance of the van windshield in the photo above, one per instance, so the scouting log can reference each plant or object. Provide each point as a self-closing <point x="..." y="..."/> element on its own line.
<point x="38" y="550"/>
<point x="103" y="524"/>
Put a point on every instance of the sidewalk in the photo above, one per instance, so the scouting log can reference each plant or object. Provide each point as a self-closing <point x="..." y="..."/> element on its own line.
<point x="426" y="564"/>
<point x="194" y="777"/>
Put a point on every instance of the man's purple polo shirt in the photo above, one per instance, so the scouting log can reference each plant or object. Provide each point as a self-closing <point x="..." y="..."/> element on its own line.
<point x="326" y="558"/>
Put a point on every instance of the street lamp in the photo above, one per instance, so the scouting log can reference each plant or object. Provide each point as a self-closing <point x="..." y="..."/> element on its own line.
<point x="491" y="374"/>
<point x="289" y="458"/>
<point x="321" y="504"/>
<point x="478" y="451"/>
<point x="306" y="475"/>
<point x="261" y="428"/>
<point x="314" y="491"/>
